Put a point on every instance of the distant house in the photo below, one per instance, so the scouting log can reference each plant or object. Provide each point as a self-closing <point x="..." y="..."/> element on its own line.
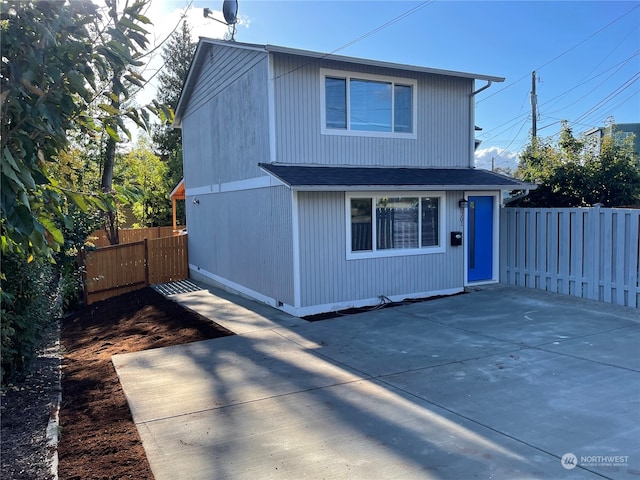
<point x="620" y="131"/>
<point x="319" y="182"/>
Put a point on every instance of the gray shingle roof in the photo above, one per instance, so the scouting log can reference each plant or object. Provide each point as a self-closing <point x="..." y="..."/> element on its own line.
<point x="337" y="178"/>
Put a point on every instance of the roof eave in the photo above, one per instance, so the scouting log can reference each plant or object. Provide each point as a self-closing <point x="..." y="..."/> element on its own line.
<point x="395" y="188"/>
<point x="178" y="190"/>
<point x="382" y="64"/>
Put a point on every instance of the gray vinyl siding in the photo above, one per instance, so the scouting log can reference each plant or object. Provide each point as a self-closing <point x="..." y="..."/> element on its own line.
<point x="247" y="104"/>
<point x="225" y="126"/>
<point x="197" y="148"/>
<point x="245" y="237"/>
<point x="326" y="276"/>
<point x="443" y="120"/>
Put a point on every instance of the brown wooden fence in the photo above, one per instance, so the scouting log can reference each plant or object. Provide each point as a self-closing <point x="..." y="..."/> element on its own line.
<point x="119" y="269"/>
<point x="131" y="235"/>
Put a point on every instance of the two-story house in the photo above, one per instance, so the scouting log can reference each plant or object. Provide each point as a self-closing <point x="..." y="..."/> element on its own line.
<point x="319" y="182"/>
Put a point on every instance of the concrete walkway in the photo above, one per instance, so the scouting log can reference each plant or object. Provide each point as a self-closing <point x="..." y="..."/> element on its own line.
<point x="499" y="383"/>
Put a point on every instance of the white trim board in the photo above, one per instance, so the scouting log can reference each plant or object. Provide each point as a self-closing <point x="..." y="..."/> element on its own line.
<point x="370" y="302"/>
<point x="233" y="286"/>
<point x="314" y="309"/>
<point x="295" y="231"/>
<point x="264" y="181"/>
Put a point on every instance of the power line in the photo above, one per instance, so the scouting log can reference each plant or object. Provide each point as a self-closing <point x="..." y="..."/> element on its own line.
<point x="361" y="37"/>
<point x="613" y="94"/>
<point x="382" y="27"/>
<point x="514" y="138"/>
<point x="586" y="79"/>
<point x="617" y="91"/>
<point x="515" y="119"/>
<point x="512" y="124"/>
<point x="622" y="64"/>
<point x="625" y="99"/>
<point x="562" y="54"/>
<point x="587" y="120"/>
<point x="599" y="105"/>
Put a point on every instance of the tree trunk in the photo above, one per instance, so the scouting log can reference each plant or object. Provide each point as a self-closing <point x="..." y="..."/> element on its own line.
<point x="110" y="217"/>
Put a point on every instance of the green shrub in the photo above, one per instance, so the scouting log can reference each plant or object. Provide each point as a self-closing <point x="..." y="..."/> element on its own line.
<point x="33" y="294"/>
<point x="81" y="224"/>
<point x="70" y="288"/>
<point x="28" y="293"/>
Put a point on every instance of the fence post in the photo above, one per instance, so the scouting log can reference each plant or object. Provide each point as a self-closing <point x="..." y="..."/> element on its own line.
<point x="592" y="253"/>
<point x="146" y="262"/>
<point x="82" y="262"/>
<point x="502" y="250"/>
<point x="634" y="261"/>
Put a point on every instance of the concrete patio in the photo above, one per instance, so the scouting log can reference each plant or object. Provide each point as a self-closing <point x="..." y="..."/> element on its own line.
<point x="500" y="383"/>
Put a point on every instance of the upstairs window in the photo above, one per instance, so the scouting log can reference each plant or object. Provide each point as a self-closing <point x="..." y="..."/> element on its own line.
<point x="367" y="105"/>
<point x="336" y="105"/>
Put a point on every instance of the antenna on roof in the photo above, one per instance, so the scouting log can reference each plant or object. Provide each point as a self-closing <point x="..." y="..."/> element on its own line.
<point x="230" y="13"/>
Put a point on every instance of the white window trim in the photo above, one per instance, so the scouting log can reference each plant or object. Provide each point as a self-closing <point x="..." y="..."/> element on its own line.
<point x="399" y="252"/>
<point x="325" y="72"/>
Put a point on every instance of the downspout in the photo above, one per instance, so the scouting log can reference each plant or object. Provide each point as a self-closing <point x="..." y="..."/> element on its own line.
<point x="489" y="82"/>
<point x="465" y="212"/>
<point x="271" y="102"/>
<point x="472" y="119"/>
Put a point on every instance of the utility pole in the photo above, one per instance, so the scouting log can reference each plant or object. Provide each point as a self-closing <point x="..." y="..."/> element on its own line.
<point x="493" y="163"/>
<point x="534" y="105"/>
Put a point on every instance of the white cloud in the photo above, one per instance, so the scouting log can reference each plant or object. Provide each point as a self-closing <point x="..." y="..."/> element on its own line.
<point x="502" y="159"/>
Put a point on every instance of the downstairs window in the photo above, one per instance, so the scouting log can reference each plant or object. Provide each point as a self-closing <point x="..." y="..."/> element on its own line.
<point x="395" y="224"/>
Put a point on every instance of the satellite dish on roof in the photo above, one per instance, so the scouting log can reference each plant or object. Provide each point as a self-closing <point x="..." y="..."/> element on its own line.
<point x="230" y="13"/>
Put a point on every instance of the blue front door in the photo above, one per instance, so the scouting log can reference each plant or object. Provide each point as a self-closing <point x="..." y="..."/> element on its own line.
<point x="480" y="238"/>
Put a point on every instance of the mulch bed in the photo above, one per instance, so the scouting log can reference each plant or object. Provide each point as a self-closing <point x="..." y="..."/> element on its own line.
<point x="25" y="409"/>
<point x="98" y="437"/>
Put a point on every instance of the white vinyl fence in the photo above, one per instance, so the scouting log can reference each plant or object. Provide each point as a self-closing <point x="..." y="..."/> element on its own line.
<point x="586" y="252"/>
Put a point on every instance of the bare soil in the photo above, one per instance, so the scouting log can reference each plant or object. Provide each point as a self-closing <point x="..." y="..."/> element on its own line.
<point x="98" y="439"/>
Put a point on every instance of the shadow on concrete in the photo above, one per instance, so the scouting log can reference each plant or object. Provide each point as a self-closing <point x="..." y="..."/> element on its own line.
<point x="500" y="383"/>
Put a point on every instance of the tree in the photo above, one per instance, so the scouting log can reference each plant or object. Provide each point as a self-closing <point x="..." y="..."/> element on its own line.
<point x="614" y="174"/>
<point x="141" y="169"/>
<point x="569" y="174"/>
<point x="123" y="31"/>
<point x="56" y="59"/>
<point x="177" y="55"/>
<point x="46" y="82"/>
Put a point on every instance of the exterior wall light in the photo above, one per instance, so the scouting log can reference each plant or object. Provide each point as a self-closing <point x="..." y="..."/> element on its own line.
<point x="463" y="203"/>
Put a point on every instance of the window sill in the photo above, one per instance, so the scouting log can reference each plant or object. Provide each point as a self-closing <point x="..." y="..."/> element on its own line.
<point x="397" y="252"/>
<point x="364" y="133"/>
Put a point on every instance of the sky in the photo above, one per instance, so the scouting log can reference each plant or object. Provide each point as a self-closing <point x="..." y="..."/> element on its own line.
<point x="586" y="54"/>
